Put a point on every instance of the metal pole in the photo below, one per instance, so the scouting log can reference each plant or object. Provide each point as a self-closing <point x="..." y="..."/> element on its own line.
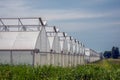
<point x="11" y="58"/>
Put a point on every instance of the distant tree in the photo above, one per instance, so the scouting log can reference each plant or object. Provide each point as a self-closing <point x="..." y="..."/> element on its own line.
<point x="115" y="52"/>
<point x="107" y="54"/>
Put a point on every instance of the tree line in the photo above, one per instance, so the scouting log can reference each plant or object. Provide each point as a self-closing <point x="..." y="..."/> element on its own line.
<point x="114" y="53"/>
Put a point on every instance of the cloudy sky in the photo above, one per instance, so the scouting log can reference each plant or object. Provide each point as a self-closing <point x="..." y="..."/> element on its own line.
<point x="96" y="23"/>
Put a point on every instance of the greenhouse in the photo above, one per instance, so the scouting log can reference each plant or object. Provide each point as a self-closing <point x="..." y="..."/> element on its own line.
<point x="64" y="48"/>
<point x="91" y="55"/>
<point x="31" y="41"/>
<point x="18" y="44"/>
<point x="52" y="33"/>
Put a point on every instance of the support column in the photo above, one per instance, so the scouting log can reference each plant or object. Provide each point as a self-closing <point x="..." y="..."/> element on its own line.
<point x="11" y="58"/>
<point x="33" y="63"/>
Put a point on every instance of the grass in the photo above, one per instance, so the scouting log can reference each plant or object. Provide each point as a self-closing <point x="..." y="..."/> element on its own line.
<point x="102" y="70"/>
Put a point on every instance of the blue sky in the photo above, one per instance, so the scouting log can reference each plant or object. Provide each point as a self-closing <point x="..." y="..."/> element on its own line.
<point x="96" y="23"/>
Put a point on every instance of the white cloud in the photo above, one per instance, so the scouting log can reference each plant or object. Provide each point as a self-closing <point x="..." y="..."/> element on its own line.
<point x="19" y="8"/>
<point x="84" y="27"/>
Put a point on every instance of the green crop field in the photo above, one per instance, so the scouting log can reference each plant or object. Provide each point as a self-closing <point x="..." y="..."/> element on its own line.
<point x="102" y="70"/>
